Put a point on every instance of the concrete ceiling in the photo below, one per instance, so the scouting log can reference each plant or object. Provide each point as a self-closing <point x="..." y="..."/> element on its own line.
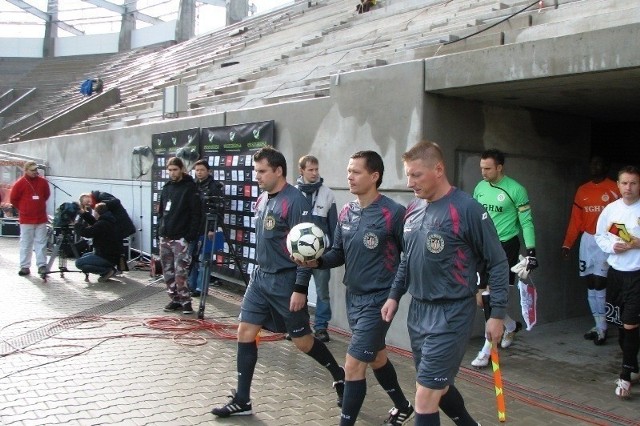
<point x="605" y="96"/>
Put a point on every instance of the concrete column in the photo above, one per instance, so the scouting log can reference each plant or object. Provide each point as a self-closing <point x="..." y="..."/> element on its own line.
<point x="237" y="10"/>
<point x="127" y="26"/>
<point x="186" y="25"/>
<point x="50" y="30"/>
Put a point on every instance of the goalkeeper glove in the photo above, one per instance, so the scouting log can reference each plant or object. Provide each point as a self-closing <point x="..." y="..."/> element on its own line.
<point x="532" y="261"/>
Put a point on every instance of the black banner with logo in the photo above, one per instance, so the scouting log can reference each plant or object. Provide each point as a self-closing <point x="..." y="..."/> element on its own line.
<point x="229" y="151"/>
<point x="184" y="144"/>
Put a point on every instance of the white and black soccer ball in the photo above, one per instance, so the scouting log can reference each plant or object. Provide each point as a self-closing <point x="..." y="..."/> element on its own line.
<point x="305" y="241"/>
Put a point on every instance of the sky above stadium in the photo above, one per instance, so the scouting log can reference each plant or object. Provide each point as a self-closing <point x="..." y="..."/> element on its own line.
<point x="15" y="22"/>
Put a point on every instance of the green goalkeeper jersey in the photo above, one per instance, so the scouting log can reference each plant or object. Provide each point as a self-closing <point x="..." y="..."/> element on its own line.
<point x="507" y="202"/>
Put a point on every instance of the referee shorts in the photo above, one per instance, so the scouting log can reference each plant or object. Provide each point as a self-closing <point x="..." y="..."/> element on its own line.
<point x="439" y="334"/>
<point x="266" y="303"/>
<point x="367" y="327"/>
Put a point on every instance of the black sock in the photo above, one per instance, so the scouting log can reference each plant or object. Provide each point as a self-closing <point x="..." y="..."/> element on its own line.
<point x="621" y="338"/>
<point x="431" y="419"/>
<point x="354" y="393"/>
<point x="321" y="354"/>
<point x="246" y="364"/>
<point x="630" y="353"/>
<point x="388" y="379"/>
<point x="452" y="405"/>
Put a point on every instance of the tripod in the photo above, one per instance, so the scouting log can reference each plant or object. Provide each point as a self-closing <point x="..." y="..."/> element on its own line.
<point x="63" y="238"/>
<point x="208" y="259"/>
<point x="140" y="258"/>
<point x="141" y="161"/>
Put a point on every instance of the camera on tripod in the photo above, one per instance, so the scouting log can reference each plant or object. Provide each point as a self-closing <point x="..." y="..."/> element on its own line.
<point x="65" y="215"/>
<point x="214" y="204"/>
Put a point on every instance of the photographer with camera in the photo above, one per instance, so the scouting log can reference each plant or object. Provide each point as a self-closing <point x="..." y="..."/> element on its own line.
<point x="29" y="195"/>
<point x="106" y="242"/>
<point x="208" y="190"/>
<point x="124" y="224"/>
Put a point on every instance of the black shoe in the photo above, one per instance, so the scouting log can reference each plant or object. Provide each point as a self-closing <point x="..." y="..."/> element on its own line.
<point x="601" y="338"/>
<point x="24" y="271"/>
<point x="399" y="416"/>
<point x="287" y="336"/>
<point x="42" y="270"/>
<point x="195" y="293"/>
<point x="172" y="306"/>
<point x="187" y="309"/>
<point x="338" y="385"/>
<point x="233" y="408"/>
<point x="322" y="335"/>
<point x="591" y="334"/>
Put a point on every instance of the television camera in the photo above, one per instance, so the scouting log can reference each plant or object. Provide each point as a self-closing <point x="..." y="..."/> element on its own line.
<point x="63" y="239"/>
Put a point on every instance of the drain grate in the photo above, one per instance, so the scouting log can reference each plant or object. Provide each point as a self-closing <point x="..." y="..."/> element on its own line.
<point x="8" y="346"/>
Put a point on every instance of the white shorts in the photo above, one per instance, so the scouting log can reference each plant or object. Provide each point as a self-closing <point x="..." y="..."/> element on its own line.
<point x="592" y="260"/>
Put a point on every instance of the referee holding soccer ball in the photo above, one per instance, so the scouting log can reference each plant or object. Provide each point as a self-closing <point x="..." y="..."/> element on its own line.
<point x="368" y="241"/>
<point x="276" y="297"/>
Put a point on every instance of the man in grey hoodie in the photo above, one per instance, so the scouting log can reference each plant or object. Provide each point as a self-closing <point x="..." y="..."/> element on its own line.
<point x="324" y="214"/>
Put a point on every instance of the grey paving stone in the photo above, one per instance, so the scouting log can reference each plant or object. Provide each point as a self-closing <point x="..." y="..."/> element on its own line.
<point x="118" y="371"/>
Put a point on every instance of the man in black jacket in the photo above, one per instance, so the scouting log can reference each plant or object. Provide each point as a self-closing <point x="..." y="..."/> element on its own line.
<point x="178" y="223"/>
<point x="124" y="224"/>
<point x="106" y="243"/>
<point x="207" y="188"/>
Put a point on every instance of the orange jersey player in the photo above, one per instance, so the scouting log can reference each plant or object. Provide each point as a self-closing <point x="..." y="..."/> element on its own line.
<point x="589" y="201"/>
<point x="591" y="198"/>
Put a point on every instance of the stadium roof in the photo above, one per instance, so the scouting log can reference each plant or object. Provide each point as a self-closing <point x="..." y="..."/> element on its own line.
<point x="25" y="18"/>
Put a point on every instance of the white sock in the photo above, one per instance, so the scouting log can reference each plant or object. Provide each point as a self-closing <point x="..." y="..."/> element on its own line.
<point x="601" y="309"/>
<point x="509" y="323"/>
<point x="591" y="298"/>
<point x="486" y="349"/>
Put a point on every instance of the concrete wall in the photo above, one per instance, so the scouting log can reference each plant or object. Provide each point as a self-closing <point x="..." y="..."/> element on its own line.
<point x="357" y="116"/>
<point x="87" y="44"/>
<point x="21" y="47"/>
<point x="384" y="109"/>
<point x="153" y="34"/>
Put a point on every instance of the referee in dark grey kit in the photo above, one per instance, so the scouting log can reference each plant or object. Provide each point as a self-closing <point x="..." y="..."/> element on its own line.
<point x="446" y="235"/>
<point x="368" y="241"/>
<point x="276" y="297"/>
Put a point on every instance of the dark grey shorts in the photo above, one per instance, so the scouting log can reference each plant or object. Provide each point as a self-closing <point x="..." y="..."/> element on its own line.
<point x="367" y="327"/>
<point x="439" y="334"/>
<point x="266" y="303"/>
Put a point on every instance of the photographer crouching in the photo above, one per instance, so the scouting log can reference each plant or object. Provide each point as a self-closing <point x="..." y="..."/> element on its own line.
<point x="107" y="244"/>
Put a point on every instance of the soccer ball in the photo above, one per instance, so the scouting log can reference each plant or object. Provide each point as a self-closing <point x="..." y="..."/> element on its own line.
<point x="305" y="241"/>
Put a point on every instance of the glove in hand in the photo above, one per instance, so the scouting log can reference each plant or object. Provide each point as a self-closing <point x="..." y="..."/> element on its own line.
<point x="532" y="261"/>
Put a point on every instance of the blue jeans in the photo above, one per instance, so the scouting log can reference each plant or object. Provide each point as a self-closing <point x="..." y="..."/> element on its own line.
<point x="323" y="302"/>
<point x="195" y="276"/>
<point x="90" y="263"/>
<point x="193" y="279"/>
